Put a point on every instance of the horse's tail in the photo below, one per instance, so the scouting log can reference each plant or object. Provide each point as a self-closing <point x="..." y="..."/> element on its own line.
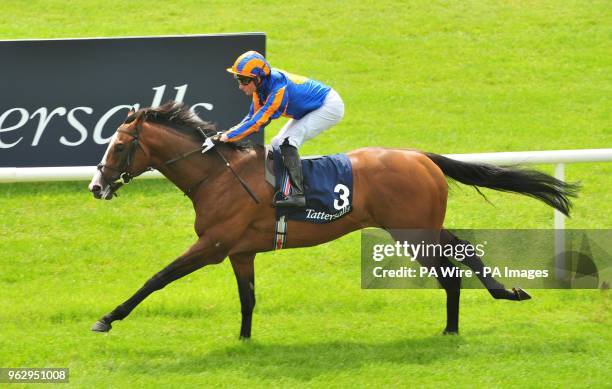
<point x="548" y="189"/>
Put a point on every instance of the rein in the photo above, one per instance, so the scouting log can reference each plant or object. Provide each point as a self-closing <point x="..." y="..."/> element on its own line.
<point x="125" y="177"/>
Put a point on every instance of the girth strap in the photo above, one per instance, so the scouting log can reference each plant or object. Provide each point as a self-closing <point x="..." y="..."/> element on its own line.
<point x="280" y="233"/>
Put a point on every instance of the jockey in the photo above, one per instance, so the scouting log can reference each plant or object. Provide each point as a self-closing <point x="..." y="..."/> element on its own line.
<point x="312" y="106"/>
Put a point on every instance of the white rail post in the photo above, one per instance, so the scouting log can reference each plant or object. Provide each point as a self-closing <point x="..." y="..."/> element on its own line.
<point x="560" y="266"/>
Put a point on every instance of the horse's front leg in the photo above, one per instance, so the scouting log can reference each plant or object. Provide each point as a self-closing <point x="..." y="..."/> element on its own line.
<point x="244" y="270"/>
<point x="203" y="252"/>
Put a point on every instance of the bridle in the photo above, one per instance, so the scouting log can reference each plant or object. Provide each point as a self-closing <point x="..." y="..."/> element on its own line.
<point x="124" y="176"/>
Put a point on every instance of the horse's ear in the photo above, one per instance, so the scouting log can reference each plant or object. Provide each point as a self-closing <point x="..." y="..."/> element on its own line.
<point x="131" y="116"/>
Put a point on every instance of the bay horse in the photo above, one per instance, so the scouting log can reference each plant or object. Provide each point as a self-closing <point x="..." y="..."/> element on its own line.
<point x="394" y="189"/>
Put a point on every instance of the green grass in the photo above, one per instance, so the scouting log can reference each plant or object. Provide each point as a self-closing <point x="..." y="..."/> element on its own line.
<point x="447" y="77"/>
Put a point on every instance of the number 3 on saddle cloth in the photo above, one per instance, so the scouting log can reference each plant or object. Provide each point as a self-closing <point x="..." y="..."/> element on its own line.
<point x="328" y="187"/>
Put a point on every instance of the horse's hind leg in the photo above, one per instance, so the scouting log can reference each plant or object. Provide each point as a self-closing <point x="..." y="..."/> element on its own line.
<point x="495" y="288"/>
<point x="450" y="280"/>
<point x="452" y="286"/>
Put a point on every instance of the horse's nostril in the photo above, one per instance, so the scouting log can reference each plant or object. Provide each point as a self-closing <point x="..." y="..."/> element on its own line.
<point x="95" y="188"/>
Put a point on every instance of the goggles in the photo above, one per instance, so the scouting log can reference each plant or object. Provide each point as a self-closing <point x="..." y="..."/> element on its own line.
<point x="243" y="80"/>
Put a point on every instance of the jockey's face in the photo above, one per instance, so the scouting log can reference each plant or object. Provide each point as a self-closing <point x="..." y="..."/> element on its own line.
<point x="249" y="88"/>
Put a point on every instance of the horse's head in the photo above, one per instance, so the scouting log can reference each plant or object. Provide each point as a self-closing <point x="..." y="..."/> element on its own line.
<point x="125" y="158"/>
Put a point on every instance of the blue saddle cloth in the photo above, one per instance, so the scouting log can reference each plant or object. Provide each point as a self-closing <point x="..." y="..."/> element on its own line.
<point x="328" y="187"/>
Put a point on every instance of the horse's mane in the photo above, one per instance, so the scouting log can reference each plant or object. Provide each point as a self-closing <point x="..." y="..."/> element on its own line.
<point x="179" y="117"/>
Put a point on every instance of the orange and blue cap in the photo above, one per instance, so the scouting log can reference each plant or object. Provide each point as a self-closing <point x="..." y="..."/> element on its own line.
<point x="251" y="64"/>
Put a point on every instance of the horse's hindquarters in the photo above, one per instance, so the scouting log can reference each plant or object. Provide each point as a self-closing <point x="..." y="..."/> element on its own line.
<point x="398" y="188"/>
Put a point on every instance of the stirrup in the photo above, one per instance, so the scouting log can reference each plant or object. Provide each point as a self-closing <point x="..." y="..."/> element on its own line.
<point x="290" y="201"/>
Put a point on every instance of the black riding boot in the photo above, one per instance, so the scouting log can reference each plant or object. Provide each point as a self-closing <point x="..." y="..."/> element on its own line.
<point x="291" y="158"/>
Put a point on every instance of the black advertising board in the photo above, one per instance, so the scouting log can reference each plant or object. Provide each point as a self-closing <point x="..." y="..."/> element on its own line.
<point x="62" y="100"/>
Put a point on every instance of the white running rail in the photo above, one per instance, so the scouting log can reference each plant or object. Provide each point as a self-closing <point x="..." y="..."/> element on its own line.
<point x="557" y="157"/>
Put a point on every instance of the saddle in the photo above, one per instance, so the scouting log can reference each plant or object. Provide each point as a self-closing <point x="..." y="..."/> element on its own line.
<point x="328" y="188"/>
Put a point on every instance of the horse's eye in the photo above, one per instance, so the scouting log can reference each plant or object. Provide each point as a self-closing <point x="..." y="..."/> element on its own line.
<point x="119" y="147"/>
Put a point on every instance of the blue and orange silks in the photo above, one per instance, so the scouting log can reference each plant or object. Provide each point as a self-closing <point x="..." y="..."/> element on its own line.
<point x="280" y="94"/>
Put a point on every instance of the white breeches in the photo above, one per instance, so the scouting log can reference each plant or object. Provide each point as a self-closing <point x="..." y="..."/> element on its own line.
<point x="313" y="123"/>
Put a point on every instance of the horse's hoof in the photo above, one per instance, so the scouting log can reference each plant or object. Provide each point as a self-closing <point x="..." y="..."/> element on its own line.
<point x="100" y="326"/>
<point x="448" y="332"/>
<point x="521" y="294"/>
<point x="245" y="338"/>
